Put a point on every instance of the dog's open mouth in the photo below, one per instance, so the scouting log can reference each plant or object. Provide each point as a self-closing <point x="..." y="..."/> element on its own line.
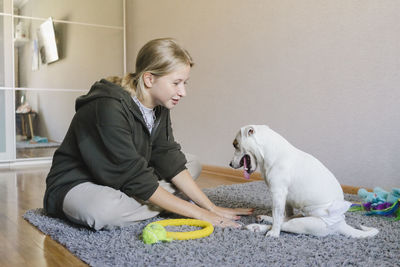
<point x="246" y="163"/>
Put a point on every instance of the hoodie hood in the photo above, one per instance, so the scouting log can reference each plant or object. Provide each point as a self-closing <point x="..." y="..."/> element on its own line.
<point x="103" y="88"/>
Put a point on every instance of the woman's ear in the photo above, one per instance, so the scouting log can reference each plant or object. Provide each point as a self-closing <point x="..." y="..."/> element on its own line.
<point x="148" y="79"/>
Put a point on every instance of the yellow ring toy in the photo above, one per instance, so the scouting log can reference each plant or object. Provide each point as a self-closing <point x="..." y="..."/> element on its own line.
<point x="155" y="232"/>
<point x="206" y="231"/>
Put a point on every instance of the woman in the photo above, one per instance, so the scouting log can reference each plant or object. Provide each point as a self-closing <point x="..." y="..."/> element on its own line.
<point x="120" y="143"/>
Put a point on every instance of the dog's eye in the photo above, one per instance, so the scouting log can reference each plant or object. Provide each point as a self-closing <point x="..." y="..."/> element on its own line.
<point x="235" y="144"/>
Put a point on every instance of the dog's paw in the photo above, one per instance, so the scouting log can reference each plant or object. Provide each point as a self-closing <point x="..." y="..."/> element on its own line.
<point x="273" y="234"/>
<point x="258" y="228"/>
<point x="264" y="219"/>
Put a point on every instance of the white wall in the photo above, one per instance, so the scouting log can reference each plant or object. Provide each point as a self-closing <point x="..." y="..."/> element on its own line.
<point x="324" y="74"/>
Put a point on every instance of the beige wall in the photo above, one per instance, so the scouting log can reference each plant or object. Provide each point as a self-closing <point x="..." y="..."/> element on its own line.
<point x="324" y="74"/>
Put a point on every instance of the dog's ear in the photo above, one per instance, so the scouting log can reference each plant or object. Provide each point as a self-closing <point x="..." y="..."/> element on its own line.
<point x="249" y="131"/>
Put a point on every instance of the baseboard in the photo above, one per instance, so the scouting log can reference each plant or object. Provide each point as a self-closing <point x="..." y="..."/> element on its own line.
<point x="25" y="164"/>
<point x="229" y="172"/>
<point x="256" y="176"/>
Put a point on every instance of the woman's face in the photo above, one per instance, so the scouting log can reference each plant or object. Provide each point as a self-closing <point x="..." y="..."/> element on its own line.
<point x="167" y="90"/>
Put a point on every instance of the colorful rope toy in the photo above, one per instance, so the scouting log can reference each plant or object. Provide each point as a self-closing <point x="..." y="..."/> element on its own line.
<point x="155" y="232"/>
<point x="379" y="202"/>
<point x="385" y="209"/>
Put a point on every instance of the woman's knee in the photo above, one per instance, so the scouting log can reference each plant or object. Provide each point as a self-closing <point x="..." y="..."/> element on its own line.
<point x="99" y="207"/>
<point x="193" y="165"/>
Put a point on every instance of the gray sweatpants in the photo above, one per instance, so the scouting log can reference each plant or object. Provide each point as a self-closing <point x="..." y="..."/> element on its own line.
<point x="103" y="207"/>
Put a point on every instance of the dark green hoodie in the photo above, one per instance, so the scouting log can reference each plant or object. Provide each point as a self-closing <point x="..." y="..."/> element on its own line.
<point x="109" y="144"/>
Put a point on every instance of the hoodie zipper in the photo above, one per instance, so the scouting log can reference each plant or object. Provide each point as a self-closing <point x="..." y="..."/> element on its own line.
<point x="136" y="115"/>
<point x="140" y="117"/>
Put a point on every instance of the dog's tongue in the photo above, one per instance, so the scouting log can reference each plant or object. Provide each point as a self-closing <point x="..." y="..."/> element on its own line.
<point x="245" y="173"/>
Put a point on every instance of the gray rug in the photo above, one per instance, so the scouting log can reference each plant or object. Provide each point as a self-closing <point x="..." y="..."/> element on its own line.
<point x="228" y="247"/>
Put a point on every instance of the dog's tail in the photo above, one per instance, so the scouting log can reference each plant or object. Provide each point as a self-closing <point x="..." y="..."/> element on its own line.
<point x="347" y="230"/>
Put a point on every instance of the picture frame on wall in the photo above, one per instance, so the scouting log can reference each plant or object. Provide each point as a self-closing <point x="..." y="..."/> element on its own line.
<point x="47" y="42"/>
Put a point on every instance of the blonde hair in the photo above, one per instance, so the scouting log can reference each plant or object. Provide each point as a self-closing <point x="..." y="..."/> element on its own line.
<point x="158" y="57"/>
<point x="114" y="79"/>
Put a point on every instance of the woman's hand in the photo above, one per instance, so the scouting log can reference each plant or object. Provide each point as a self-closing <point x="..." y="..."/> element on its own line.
<point x="218" y="216"/>
<point x="185" y="183"/>
<point x="217" y="220"/>
<point x="232" y="214"/>
<point x="168" y="201"/>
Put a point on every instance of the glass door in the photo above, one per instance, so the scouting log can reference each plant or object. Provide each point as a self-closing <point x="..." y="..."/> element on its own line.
<point x="51" y="52"/>
<point x="6" y="123"/>
<point x="60" y="49"/>
<point x="7" y="142"/>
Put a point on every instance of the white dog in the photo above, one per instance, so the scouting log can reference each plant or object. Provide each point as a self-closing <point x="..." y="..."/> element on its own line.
<point x="295" y="180"/>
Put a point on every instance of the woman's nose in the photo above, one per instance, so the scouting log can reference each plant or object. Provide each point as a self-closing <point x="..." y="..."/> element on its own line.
<point x="182" y="91"/>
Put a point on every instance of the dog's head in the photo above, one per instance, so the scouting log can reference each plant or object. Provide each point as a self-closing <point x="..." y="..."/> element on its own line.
<point x="246" y="152"/>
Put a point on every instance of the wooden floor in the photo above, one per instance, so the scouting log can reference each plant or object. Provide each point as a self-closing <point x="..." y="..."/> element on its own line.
<point x="23" y="153"/>
<point x="21" y="244"/>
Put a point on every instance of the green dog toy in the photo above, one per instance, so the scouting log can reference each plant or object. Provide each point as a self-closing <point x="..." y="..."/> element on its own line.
<point x="154" y="233"/>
